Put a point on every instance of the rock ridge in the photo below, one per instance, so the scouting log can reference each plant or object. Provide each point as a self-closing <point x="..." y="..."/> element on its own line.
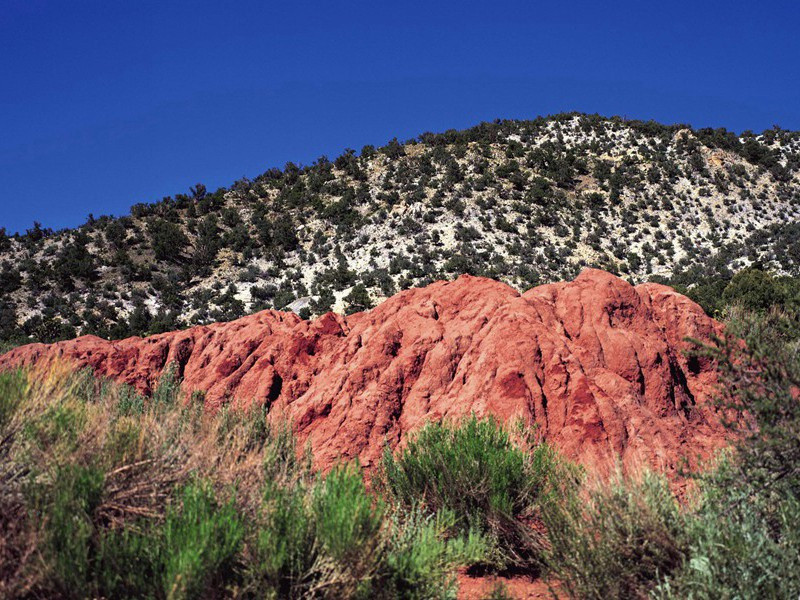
<point x="598" y="365"/>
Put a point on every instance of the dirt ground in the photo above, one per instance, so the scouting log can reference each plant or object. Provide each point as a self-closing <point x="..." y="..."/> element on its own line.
<point x="518" y="587"/>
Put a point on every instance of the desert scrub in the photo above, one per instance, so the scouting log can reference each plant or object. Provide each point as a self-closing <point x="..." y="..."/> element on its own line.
<point x="107" y="493"/>
<point x="618" y="539"/>
<point x="742" y="544"/>
<point x="327" y="537"/>
<point x="744" y="535"/>
<point x="201" y="543"/>
<point x="489" y="481"/>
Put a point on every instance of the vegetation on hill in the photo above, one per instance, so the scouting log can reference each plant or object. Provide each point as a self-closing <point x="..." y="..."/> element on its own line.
<point x="526" y="202"/>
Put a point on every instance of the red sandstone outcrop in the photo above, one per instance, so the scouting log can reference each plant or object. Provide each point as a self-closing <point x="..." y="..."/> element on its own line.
<point x="596" y="363"/>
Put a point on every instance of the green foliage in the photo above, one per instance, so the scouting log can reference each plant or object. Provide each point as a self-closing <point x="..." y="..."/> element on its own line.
<point x="74" y="261"/>
<point x="283" y="550"/>
<point x="757" y="290"/>
<point x="760" y="379"/>
<point x="201" y="541"/>
<point x="619" y="542"/>
<point x="128" y="563"/>
<point x="742" y="544"/>
<point x="357" y="300"/>
<point x="168" y="390"/>
<point x="348" y="520"/>
<point x="167" y="239"/>
<point x="752" y="289"/>
<point x="13" y="387"/>
<point x="422" y="553"/>
<point x="70" y="503"/>
<point x="105" y="493"/>
<point x="738" y="537"/>
<point x="475" y="470"/>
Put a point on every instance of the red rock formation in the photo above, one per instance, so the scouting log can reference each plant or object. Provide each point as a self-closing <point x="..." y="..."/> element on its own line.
<point x="596" y="363"/>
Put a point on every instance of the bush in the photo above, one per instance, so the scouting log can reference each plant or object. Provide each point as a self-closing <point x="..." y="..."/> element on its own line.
<point x="744" y="540"/>
<point x="68" y="516"/>
<point x="347" y="520"/>
<point x="616" y="541"/>
<point x="167" y="239"/>
<point x="13" y="386"/>
<point x="201" y="541"/>
<point x="106" y="493"/>
<point x="741" y="545"/>
<point x="358" y="299"/>
<point x="475" y="470"/>
<point x="422" y="553"/>
<point x="759" y="382"/>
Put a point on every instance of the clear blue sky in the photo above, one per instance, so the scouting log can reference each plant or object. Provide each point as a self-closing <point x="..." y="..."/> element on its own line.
<point x="107" y="103"/>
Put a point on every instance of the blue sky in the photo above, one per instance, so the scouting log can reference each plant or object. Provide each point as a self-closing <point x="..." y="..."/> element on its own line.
<point x="107" y="103"/>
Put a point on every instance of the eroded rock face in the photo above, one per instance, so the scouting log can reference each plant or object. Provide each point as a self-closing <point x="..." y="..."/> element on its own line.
<point x="595" y="363"/>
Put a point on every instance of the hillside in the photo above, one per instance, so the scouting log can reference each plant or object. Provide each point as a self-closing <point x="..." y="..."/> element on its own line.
<point x="524" y="202"/>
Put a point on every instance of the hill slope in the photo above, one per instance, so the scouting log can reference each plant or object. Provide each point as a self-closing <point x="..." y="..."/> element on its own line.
<point x="525" y="202"/>
<point x="595" y="363"/>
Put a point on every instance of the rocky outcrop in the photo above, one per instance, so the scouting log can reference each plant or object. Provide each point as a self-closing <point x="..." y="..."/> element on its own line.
<point x="597" y="364"/>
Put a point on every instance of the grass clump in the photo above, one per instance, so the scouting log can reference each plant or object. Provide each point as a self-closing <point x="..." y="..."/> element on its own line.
<point x="477" y="471"/>
<point x="201" y="542"/>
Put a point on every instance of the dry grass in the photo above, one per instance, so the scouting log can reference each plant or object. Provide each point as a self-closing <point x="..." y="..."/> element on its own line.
<point x="104" y="493"/>
<point x="61" y="418"/>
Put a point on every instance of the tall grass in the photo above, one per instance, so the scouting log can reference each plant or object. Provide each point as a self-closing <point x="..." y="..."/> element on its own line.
<point x="107" y="493"/>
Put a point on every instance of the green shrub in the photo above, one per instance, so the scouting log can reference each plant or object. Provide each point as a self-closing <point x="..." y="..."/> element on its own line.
<point x="740" y="546"/>
<point x="201" y="543"/>
<point x="759" y="382"/>
<point x="75" y="493"/>
<point x="744" y="541"/>
<point x="347" y="519"/>
<point x="13" y="387"/>
<point x="283" y="549"/>
<point x="475" y="470"/>
<point x="107" y="494"/>
<point x="422" y="554"/>
<point x="319" y="537"/>
<point x="129" y="401"/>
<point x="168" y="389"/>
<point x="616" y="541"/>
<point x="57" y="428"/>
<point x="128" y="563"/>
